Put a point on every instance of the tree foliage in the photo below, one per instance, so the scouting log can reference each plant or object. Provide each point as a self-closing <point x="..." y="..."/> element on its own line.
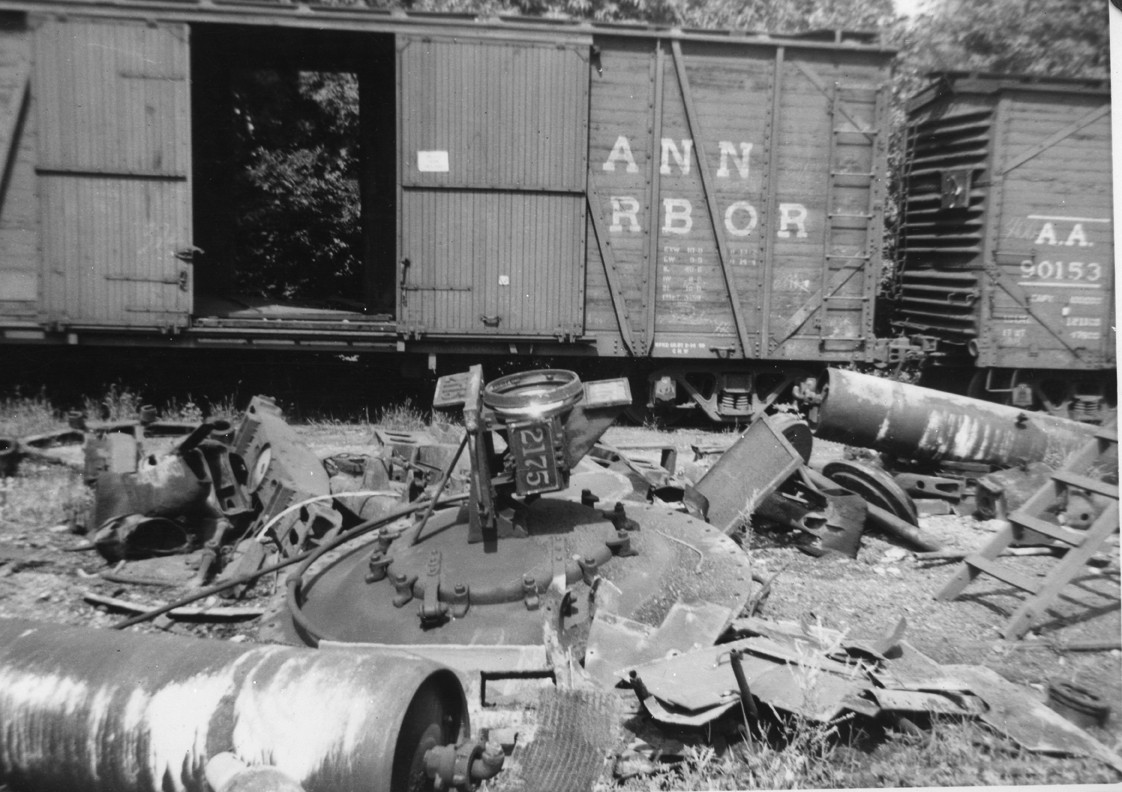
<point x="1055" y="38"/>
<point x="298" y="227"/>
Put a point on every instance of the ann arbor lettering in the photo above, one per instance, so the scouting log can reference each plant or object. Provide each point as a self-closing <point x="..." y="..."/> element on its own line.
<point x="676" y="157"/>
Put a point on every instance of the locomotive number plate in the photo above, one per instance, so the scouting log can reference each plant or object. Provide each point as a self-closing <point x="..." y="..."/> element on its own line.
<point x="535" y="463"/>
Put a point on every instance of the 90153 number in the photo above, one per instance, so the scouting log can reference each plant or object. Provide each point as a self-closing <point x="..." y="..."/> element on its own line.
<point x="1062" y="270"/>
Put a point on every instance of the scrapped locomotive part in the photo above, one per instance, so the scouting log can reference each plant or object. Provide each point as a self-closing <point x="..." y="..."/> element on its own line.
<point x="193" y="496"/>
<point x="1009" y="282"/>
<point x="525" y="557"/>
<point x="874" y="485"/>
<point x="1078" y="704"/>
<point x="917" y="423"/>
<point x="815" y="673"/>
<point x="100" y="710"/>
<point x="998" y="494"/>
<point x="282" y="473"/>
<point x="1032" y="724"/>
<point x="738" y="482"/>
<point x="921" y="486"/>
<point x="882" y="519"/>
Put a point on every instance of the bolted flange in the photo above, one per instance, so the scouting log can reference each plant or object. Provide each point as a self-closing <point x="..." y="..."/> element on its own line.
<point x="621" y="545"/>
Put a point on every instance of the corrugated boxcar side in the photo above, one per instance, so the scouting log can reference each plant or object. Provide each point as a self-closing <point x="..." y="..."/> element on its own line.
<point x="1052" y="236"/>
<point x="19" y="211"/>
<point x="114" y="166"/>
<point x="1008" y="237"/>
<point x="492" y="163"/>
<point x="727" y="184"/>
<point x="942" y="245"/>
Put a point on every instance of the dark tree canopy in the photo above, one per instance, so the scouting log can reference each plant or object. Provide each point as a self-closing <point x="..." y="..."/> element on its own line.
<point x="1058" y="38"/>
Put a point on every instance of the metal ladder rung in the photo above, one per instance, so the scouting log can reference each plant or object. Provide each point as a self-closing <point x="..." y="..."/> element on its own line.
<point x="1086" y="483"/>
<point x="1003" y="573"/>
<point x="1045" y="528"/>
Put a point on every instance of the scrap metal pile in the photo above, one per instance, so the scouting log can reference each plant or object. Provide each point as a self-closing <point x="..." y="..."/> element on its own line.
<point x="469" y="571"/>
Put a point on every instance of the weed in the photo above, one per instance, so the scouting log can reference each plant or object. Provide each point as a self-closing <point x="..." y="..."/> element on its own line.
<point x="403" y="417"/>
<point x="119" y="403"/>
<point x="41" y="496"/>
<point x="24" y="415"/>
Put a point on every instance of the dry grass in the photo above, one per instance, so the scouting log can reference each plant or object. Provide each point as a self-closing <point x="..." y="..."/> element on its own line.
<point x="24" y="415"/>
<point x="42" y="496"/>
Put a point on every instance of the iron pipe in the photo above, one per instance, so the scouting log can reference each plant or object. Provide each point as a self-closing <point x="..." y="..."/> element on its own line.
<point x="95" y="710"/>
<point x="911" y="422"/>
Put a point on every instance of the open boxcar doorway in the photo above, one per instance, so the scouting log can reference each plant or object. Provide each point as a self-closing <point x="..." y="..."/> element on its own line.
<point x="294" y="174"/>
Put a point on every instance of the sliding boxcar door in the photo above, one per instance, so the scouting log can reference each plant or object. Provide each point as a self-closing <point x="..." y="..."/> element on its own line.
<point x="493" y="159"/>
<point x="114" y="159"/>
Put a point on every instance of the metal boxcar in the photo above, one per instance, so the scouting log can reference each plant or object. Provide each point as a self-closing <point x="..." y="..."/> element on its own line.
<point x="1008" y="254"/>
<point x="702" y="209"/>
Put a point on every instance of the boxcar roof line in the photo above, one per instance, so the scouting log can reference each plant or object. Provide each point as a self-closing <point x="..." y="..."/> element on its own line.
<point x="361" y="18"/>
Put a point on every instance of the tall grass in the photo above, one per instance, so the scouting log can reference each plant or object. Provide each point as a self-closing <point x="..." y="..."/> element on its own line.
<point x="25" y="415"/>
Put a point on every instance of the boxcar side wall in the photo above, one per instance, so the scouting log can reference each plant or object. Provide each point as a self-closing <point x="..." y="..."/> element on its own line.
<point x="1050" y="303"/>
<point x="492" y="178"/>
<point x="735" y="198"/>
<point x="569" y="190"/>
<point x="113" y="166"/>
<point x="1007" y="242"/>
<point x="19" y="205"/>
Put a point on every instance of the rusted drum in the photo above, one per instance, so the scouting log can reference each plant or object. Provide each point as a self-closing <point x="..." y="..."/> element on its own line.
<point x="92" y="710"/>
<point x="919" y="423"/>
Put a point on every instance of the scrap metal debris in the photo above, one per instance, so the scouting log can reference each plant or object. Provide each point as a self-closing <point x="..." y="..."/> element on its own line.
<point x="911" y="422"/>
<point x="814" y="673"/>
<point x="96" y="710"/>
<point x="520" y="548"/>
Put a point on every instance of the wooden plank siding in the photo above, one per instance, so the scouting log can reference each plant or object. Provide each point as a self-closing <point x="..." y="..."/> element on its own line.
<point x="493" y="147"/>
<point x="19" y="209"/>
<point x="1053" y="236"/>
<point x="775" y="236"/>
<point x="113" y="170"/>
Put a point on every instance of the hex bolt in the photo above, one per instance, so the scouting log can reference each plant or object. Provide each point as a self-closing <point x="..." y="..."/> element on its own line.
<point x="403" y="584"/>
<point x="379" y="566"/>
<point x="530" y="593"/>
<point x="620" y="519"/>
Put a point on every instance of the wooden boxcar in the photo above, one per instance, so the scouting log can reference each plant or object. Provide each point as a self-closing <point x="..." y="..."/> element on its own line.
<point x="701" y="210"/>
<point x="1008" y="249"/>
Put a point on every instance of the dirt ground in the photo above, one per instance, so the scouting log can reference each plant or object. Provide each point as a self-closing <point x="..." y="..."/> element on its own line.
<point x="45" y="571"/>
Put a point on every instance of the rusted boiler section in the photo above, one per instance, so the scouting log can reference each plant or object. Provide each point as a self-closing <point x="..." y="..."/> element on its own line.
<point x="923" y="424"/>
<point x="99" y="710"/>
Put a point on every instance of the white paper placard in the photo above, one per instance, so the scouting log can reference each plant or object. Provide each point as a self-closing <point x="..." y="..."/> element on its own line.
<point x="432" y="161"/>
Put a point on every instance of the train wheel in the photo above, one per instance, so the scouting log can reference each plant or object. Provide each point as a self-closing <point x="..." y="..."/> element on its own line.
<point x="1092" y="399"/>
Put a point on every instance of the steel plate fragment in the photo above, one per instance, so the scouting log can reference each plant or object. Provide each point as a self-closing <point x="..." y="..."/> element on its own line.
<point x="758" y="462"/>
<point x="1029" y="722"/>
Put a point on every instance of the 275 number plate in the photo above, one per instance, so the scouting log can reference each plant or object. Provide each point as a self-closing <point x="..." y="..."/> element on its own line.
<point x="535" y="464"/>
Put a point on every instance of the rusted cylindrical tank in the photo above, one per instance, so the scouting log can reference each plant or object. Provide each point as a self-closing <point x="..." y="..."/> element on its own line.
<point x="923" y="424"/>
<point x="93" y="710"/>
